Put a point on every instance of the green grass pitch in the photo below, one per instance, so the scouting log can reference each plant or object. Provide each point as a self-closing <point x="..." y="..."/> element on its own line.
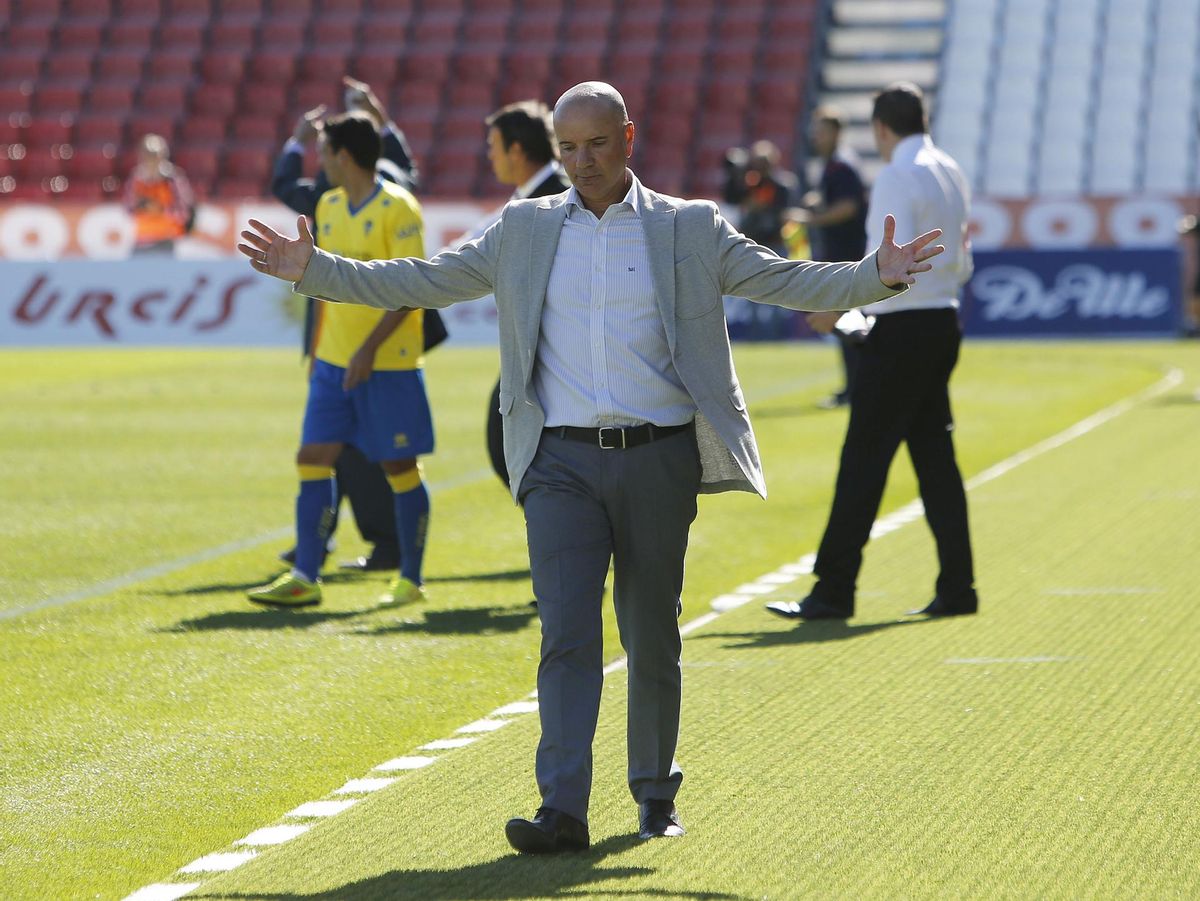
<point x="149" y="715"/>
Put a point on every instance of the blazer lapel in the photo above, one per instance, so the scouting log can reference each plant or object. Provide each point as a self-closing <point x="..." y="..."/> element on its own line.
<point x="658" y="222"/>
<point x="543" y="244"/>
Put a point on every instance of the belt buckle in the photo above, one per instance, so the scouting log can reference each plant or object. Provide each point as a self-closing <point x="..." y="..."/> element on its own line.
<point x="601" y="438"/>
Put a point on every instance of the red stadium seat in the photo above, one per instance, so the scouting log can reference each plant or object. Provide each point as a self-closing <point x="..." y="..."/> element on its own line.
<point x="198" y="163"/>
<point x="308" y="94"/>
<point x="418" y="99"/>
<point x="281" y="33"/>
<point x="223" y="67"/>
<point x="528" y="65"/>
<point x="92" y="129"/>
<point x="320" y="64"/>
<point x="178" y="65"/>
<point x="80" y="34"/>
<point x="31" y="34"/>
<point x="534" y="33"/>
<point x="162" y="96"/>
<point x="91" y="163"/>
<point x="20" y="65"/>
<point x="682" y="61"/>
<point x="486" y="27"/>
<point x="47" y="130"/>
<point x="256" y="130"/>
<point x="182" y="34"/>
<point x="142" y="124"/>
<point x="376" y="68"/>
<point x="336" y="32"/>
<point x="195" y="8"/>
<point x="203" y="131"/>
<point x="119" y="65"/>
<point x="277" y="66"/>
<point x="132" y="33"/>
<point x="579" y="63"/>
<point x="123" y="8"/>
<point x="728" y="93"/>
<point x="290" y="6"/>
<point x="214" y="99"/>
<point x="76" y="8"/>
<point x="110" y="96"/>
<point x="632" y="61"/>
<point x="59" y="96"/>
<point x="266" y="101"/>
<point x="436" y="26"/>
<point x="690" y="27"/>
<point x="587" y="24"/>
<point x="637" y="24"/>
<point x="678" y="96"/>
<point x="386" y="33"/>
<point x="345" y="6"/>
<point x="512" y="90"/>
<point x="233" y="8"/>
<point x="426" y="62"/>
<point x="233" y="33"/>
<point x="69" y="64"/>
<point x="479" y="62"/>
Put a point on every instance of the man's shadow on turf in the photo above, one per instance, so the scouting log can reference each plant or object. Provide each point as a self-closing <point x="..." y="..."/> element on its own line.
<point x="508" y="877"/>
<point x="804" y="633"/>
<point x="468" y="621"/>
<point x="240" y="587"/>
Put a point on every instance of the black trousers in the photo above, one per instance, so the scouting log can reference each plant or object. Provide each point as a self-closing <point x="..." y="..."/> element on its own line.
<point x="901" y="394"/>
<point x="364" y="484"/>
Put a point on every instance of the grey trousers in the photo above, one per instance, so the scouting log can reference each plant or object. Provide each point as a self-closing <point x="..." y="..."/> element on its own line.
<point x="585" y="506"/>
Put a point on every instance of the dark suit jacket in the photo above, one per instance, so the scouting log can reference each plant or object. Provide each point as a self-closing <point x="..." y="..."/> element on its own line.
<point x="555" y="183"/>
<point x="301" y="194"/>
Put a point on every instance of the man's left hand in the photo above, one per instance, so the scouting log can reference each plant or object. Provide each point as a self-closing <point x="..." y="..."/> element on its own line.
<point x="899" y="263"/>
<point x="359" y="369"/>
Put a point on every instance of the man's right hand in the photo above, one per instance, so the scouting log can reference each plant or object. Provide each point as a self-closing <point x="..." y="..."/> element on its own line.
<point x="309" y="124"/>
<point x="273" y="254"/>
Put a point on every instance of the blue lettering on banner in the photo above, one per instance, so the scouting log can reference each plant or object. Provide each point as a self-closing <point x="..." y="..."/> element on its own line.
<point x="1093" y="292"/>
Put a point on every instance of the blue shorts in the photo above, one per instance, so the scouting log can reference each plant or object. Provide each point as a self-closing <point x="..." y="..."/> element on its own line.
<point x="386" y="417"/>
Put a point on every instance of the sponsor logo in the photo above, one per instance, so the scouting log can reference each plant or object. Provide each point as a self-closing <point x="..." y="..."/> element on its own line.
<point x="1080" y="290"/>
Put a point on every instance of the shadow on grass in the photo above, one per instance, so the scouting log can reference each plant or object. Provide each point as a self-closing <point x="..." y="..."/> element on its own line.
<point x="509" y="877"/>
<point x="510" y="575"/>
<point x="329" y="578"/>
<point x="804" y="633"/>
<point x="1177" y="400"/>
<point x="469" y="621"/>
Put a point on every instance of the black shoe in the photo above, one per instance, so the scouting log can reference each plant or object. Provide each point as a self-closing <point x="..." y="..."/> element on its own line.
<point x="379" y="559"/>
<point x="289" y="556"/>
<point x="549" y="832"/>
<point x="659" y="819"/>
<point x="841" y="399"/>
<point x="940" y="606"/>
<point x="809" y="609"/>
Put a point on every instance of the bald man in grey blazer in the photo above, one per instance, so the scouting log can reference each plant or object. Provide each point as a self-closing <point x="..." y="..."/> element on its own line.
<point x="620" y="405"/>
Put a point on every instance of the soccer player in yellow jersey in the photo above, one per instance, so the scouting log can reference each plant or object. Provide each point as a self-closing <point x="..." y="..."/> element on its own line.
<point x="366" y="388"/>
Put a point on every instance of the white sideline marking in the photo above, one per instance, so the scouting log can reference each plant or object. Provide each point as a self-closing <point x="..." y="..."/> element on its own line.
<point x="219" y="863"/>
<point x="163" y="891"/>
<point x="1049" y="658"/>
<point x="359" y="786"/>
<point x="446" y="744"/>
<point x="322" y="808"/>
<point x="516" y="707"/>
<point x="406" y="763"/>
<point x="273" y="835"/>
<point x="785" y="574"/>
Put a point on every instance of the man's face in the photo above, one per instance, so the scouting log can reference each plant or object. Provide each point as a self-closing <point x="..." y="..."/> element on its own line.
<point x="824" y="138"/>
<point x="501" y="158"/>
<point x="595" y="146"/>
<point x="329" y="161"/>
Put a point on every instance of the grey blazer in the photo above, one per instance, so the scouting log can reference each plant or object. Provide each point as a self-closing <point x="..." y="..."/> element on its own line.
<point x="696" y="257"/>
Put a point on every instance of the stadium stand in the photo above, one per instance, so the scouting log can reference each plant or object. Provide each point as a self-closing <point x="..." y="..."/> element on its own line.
<point x="223" y="80"/>
<point x="1072" y="97"/>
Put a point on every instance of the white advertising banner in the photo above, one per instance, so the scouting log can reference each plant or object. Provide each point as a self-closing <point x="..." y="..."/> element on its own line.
<point x="145" y="302"/>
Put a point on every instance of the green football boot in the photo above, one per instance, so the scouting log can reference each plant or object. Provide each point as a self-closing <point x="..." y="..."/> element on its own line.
<point x="402" y="591"/>
<point x="289" y="590"/>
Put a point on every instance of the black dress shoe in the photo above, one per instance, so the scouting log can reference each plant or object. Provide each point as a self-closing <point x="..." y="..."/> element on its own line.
<point x="809" y="609"/>
<point x="659" y="819"/>
<point x="549" y="832"/>
<point x="940" y="606"/>
<point x="378" y="560"/>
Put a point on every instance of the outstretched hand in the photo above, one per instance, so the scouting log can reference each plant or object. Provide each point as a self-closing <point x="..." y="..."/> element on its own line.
<point x="272" y="253"/>
<point x="899" y="263"/>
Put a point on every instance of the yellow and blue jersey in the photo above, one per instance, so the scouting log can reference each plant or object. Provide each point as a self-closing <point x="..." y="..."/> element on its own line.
<point x="386" y="226"/>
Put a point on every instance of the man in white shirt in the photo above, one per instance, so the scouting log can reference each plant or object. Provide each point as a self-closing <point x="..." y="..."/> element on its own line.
<point x="620" y="406"/>
<point x="902" y="390"/>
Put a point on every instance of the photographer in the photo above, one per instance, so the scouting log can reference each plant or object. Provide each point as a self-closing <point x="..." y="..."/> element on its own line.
<point x="762" y="191"/>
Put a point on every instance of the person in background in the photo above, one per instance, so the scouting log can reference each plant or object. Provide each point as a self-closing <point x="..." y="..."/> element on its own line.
<point x="159" y="198"/>
<point x="359" y="480"/>
<point x="366" y="385"/>
<point x="836" y="215"/>
<point x="523" y="153"/>
<point x="762" y="191"/>
<point x="1189" y="230"/>
<point x="902" y="392"/>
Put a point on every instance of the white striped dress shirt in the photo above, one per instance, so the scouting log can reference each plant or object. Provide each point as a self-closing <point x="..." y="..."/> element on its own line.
<point x="602" y="358"/>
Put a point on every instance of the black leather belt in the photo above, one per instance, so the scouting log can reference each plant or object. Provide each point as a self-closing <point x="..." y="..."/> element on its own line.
<point x="613" y="438"/>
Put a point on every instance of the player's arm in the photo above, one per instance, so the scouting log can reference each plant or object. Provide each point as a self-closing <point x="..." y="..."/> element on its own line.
<point x="362" y="364"/>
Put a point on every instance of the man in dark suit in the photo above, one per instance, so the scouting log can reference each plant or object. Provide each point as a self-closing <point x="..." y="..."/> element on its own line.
<point x="522" y="151"/>
<point x="358" y="479"/>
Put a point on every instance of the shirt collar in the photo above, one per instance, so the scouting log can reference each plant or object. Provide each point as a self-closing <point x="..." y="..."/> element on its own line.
<point x="907" y="150"/>
<point x="523" y="191"/>
<point x="632" y="198"/>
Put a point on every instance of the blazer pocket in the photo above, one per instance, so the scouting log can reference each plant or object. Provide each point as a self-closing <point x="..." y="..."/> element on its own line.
<point x="506" y="403"/>
<point x="696" y="292"/>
